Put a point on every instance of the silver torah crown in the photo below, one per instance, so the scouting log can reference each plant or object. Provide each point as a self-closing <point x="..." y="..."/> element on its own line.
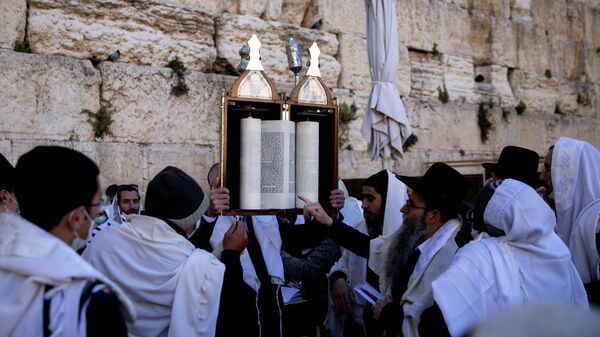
<point x="294" y="56"/>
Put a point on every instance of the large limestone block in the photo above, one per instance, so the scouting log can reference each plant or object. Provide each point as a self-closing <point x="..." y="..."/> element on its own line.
<point x="13" y="18"/>
<point x="591" y="28"/>
<point x="336" y="16"/>
<point x="293" y="11"/>
<point x="146" y="112"/>
<point x="213" y="6"/>
<point x="533" y="50"/>
<point x="539" y="93"/>
<point x="144" y="32"/>
<point x="520" y="10"/>
<point x="22" y="146"/>
<point x="253" y="7"/>
<point x="6" y="151"/>
<point x="458" y="78"/>
<point x="420" y="24"/>
<point x="504" y="43"/>
<point x="354" y="62"/>
<point x="495" y="85"/>
<point x="233" y="31"/>
<point x="592" y="64"/>
<point x="567" y="59"/>
<point x="481" y="38"/>
<point x="496" y="8"/>
<point x="427" y="75"/>
<point x="273" y="10"/>
<point x="551" y="16"/>
<point x="455" y="30"/>
<point x="42" y="96"/>
<point x="195" y="160"/>
<point x="350" y="134"/>
<point x="120" y="163"/>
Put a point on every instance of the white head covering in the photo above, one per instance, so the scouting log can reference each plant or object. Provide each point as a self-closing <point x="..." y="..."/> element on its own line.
<point x="529" y="264"/>
<point x="576" y="181"/>
<point x="392" y="220"/>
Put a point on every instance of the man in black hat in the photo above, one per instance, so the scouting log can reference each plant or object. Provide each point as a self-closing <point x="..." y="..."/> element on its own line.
<point x="516" y="163"/>
<point x="419" y="251"/>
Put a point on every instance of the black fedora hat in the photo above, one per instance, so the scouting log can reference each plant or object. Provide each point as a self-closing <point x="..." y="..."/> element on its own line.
<point x="516" y="163"/>
<point x="441" y="183"/>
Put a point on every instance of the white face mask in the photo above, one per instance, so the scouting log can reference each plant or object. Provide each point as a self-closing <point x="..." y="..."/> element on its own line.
<point x="79" y="242"/>
<point x="195" y="228"/>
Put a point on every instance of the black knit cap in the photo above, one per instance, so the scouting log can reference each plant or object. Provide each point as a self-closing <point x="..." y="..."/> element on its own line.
<point x="7" y="175"/>
<point x="51" y="181"/>
<point x="175" y="196"/>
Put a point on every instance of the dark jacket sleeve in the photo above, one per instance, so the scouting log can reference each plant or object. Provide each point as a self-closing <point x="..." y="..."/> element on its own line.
<point x="104" y="317"/>
<point x="391" y="318"/>
<point x="316" y="264"/>
<point x="350" y="238"/>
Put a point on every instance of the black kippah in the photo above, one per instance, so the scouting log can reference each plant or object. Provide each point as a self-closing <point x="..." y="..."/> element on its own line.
<point x="175" y="196"/>
<point x="51" y="181"/>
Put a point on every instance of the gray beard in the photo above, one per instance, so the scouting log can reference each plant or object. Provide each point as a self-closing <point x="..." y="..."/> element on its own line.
<point x="403" y="243"/>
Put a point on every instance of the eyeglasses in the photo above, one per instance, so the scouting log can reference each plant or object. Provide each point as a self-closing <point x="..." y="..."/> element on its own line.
<point x="411" y="204"/>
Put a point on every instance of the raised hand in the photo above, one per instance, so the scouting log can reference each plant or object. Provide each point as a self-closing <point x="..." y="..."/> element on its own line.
<point x="236" y="237"/>
<point x="314" y="211"/>
<point x="219" y="201"/>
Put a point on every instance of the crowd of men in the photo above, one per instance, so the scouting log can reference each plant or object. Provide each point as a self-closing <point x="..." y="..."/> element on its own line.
<point x="410" y="259"/>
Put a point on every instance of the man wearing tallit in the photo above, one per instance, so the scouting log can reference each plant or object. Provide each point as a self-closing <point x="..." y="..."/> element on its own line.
<point x="46" y="288"/>
<point x="522" y="261"/>
<point x="572" y="174"/>
<point x="175" y="287"/>
<point x="383" y="197"/>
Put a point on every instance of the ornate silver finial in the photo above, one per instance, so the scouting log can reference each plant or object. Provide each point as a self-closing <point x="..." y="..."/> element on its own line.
<point x="313" y="68"/>
<point x="294" y="57"/>
<point x="254" y="63"/>
<point x="245" y="55"/>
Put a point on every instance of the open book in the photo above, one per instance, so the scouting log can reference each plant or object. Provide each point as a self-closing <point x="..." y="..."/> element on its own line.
<point x="368" y="292"/>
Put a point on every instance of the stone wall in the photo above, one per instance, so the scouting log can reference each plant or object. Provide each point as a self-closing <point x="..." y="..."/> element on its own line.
<point x="543" y="53"/>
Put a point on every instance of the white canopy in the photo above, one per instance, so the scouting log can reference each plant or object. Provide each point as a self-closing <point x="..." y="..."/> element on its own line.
<point x="385" y="126"/>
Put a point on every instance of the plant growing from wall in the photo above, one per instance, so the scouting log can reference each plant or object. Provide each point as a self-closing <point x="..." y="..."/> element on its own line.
<point x="558" y="111"/>
<point x="180" y="88"/>
<point x="483" y="120"/>
<point x="520" y="108"/>
<point x="548" y="73"/>
<point x="409" y="142"/>
<point x="22" y="47"/>
<point x="100" y="120"/>
<point x="443" y="94"/>
<point x="347" y="113"/>
<point x="434" y="50"/>
<point x="583" y="100"/>
<point x="505" y="114"/>
<point x="461" y="152"/>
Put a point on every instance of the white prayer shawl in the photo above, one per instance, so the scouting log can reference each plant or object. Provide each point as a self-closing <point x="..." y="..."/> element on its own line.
<point x="437" y="253"/>
<point x="576" y="182"/>
<point x="392" y="221"/>
<point x="355" y="269"/>
<point x="529" y="264"/>
<point x="266" y="229"/>
<point x="175" y="287"/>
<point x="30" y="259"/>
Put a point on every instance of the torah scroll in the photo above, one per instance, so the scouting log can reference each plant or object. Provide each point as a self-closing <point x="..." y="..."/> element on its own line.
<point x="277" y="164"/>
<point x="307" y="161"/>
<point x="250" y="153"/>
